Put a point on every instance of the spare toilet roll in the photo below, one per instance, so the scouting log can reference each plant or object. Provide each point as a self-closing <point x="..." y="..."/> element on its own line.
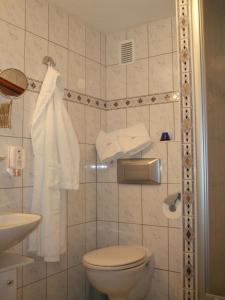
<point x="172" y="214"/>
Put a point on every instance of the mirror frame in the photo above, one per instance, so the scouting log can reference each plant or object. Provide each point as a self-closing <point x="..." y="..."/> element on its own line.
<point x="14" y="96"/>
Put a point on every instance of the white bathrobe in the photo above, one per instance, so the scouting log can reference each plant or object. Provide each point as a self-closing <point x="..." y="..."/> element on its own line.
<point x="56" y="167"/>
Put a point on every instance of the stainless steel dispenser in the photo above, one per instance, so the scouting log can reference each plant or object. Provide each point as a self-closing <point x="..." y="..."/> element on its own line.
<point x="139" y="171"/>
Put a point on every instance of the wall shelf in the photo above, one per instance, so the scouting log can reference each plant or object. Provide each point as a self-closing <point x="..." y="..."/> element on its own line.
<point x="10" y="261"/>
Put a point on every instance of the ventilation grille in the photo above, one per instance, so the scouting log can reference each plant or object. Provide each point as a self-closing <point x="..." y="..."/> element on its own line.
<point x="127" y="52"/>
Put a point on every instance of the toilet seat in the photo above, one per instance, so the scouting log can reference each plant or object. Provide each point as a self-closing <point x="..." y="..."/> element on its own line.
<point x="116" y="258"/>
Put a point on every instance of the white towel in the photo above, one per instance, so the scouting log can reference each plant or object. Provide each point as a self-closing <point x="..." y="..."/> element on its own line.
<point x="56" y="167"/>
<point x="134" y="139"/>
<point x="108" y="147"/>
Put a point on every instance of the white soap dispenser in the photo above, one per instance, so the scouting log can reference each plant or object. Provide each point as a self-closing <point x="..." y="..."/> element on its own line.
<point x="16" y="160"/>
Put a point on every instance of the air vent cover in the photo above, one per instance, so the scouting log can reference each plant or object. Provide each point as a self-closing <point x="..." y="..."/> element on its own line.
<point x="127" y="52"/>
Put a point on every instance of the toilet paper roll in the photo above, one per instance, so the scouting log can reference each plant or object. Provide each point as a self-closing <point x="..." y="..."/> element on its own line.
<point x="172" y="214"/>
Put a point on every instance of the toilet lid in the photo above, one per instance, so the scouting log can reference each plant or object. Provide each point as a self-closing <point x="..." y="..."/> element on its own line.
<point x="115" y="256"/>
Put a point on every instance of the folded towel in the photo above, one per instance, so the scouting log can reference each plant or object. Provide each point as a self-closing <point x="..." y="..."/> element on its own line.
<point x="133" y="139"/>
<point x="108" y="147"/>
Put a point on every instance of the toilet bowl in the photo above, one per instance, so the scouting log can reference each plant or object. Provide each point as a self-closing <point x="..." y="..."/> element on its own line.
<point x="121" y="272"/>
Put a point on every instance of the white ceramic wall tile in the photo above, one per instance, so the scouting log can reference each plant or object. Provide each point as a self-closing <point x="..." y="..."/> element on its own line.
<point x="34" y="271"/>
<point x="35" y="49"/>
<point x="107" y="234"/>
<point x="93" y="44"/>
<point x="57" y="286"/>
<point x="58" y="26"/>
<point x="115" y="82"/>
<point x="174" y="33"/>
<point x="103" y="49"/>
<point x="107" y="202"/>
<point x="76" y="283"/>
<point x="113" y="46"/>
<point x="138" y="114"/>
<point x="13" y="38"/>
<point x="103" y="82"/>
<point x="130" y="234"/>
<point x="16" y="119"/>
<point x="93" y="124"/>
<point x="19" y="277"/>
<point x="152" y="202"/>
<point x="107" y="172"/>
<point x="91" y="236"/>
<point x="175" y="286"/>
<point x="159" y="289"/>
<point x="174" y="162"/>
<point x="140" y="37"/>
<point x="161" y="120"/>
<point x="76" y="244"/>
<point x="173" y="189"/>
<point x="158" y="150"/>
<point x="76" y="206"/>
<point x="76" y="35"/>
<point x="176" y="77"/>
<point x="177" y="120"/>
<point x="156" y="240"/>
<point x="60" y="56"/>
<point x="130" y="204"/>
<point x="11" y="200"/>
<point x="175" y="249"/>
<point x="29" y="103"/>
<point x="90" y="164"/>
<point x="28" y="170"/>
<point x="37" y="17"/>
<point x="137" y="78"/>
<point x="160" y="37"/>
<point x="35" y="291"/>
<point x="116" y="119"/>
<point x="56" y="267"/>
<point x="82" y="162"/>
<point x="103" y="120"/>
<point x="160" y="74"/>
<point x="13" y="11"/>
<point x="93" y="78"/>
<point x="20" y="294"/>
<point x="6" y="180"/>
<point x="77" y="116"/>
<point x="76" y="72"/>
<point x="91" y="201"/>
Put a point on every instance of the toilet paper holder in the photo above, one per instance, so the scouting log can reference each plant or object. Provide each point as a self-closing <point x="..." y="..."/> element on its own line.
<point x="172" y="200"/>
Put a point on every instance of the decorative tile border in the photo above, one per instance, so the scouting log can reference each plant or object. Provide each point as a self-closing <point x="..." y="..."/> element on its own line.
<point x="143" y="100"/>
<point x="189" y="270"/>
<point x="69" y="95"/>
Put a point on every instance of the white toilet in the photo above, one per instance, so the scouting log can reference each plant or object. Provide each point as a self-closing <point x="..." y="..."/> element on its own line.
<point x="121" y="272"/>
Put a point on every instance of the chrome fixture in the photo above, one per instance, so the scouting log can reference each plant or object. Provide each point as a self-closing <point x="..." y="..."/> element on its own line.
<point x="139" y="171"/>
<point x="172" y="200"/>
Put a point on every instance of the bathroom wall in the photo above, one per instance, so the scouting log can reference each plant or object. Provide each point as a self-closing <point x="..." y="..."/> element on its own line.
<point x="132" y="214"/>
<point x="29" y="30"/>
<point x="88" y="62"/>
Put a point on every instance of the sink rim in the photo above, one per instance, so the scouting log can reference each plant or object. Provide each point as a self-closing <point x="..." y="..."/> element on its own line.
<point x="18" y="223"/>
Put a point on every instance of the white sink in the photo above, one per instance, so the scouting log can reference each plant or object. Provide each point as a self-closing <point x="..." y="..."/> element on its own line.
<point x="14" y="227"/>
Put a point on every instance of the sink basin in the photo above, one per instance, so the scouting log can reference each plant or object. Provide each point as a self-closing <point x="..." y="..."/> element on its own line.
<point x="14" y="227"/>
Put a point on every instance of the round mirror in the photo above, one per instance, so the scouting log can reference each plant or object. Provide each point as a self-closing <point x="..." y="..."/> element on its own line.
<point x="13" y="82"/>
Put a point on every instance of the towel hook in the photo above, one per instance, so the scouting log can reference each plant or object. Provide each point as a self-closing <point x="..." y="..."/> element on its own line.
<point x="47" y="60"/>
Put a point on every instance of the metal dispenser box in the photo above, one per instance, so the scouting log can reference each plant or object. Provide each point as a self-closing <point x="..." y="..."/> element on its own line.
<point x="139" y="171"/>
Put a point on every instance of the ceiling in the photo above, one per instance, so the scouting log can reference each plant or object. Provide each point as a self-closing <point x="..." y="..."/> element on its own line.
<point x="116" y="15"/>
